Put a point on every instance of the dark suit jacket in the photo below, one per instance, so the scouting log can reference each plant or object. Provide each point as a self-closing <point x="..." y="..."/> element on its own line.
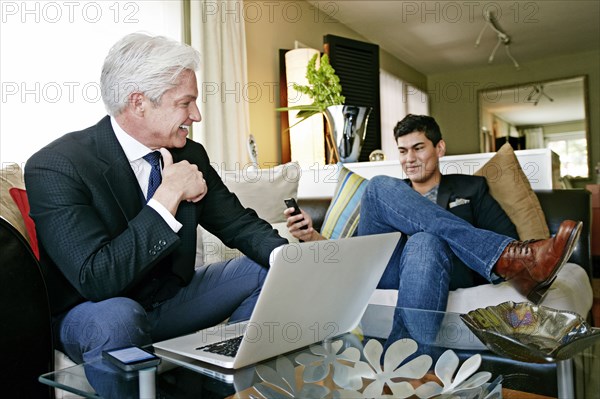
<point x="481" y="210"/>
<point x="99" y="240"/>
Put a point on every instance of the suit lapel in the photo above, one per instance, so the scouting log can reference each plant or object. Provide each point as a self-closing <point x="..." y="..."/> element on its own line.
<point x="118" y="174"/>
<point x="444" y="192"/>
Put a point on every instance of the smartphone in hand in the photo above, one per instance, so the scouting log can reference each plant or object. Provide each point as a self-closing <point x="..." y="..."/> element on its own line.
<point x="291" y="203"/>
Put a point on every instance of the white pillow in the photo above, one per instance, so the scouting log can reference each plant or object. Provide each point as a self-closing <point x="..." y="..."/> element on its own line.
<point x="211" y="250"/>
<point x="265" y="189"/>
<point x="260" y="189"/>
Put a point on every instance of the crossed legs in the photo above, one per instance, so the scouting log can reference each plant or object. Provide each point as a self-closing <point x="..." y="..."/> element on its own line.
<point x="421" y="264"/>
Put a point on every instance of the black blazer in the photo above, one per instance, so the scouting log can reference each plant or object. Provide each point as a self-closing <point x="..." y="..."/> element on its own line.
<point x="468" y="197"/>
<point x="482" y="210"/>
<point x="99" y="240"/>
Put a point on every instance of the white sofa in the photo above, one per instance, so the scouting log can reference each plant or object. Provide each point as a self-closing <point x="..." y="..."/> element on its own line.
<point x="571" y="291"/>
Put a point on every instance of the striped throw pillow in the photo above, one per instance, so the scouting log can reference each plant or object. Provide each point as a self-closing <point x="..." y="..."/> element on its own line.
<point x="341" y="219"/>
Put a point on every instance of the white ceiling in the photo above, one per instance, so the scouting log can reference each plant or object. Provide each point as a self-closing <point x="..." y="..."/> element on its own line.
<point x="439" y="36"/>
<point x="559" y="101"/>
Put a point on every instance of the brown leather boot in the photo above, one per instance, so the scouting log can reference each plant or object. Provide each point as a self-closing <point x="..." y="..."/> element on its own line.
<point x="532" y="265"/>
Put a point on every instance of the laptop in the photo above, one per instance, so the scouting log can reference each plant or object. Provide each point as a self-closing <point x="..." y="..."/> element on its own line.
<point x="313" y="291"/>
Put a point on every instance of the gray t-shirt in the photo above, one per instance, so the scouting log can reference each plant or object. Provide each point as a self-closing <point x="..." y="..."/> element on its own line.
<point x="432" y="194"/>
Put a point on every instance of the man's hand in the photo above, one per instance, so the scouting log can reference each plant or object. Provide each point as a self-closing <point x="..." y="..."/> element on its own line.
<point x="295" y="224"/>
<point x="181" y="181"/>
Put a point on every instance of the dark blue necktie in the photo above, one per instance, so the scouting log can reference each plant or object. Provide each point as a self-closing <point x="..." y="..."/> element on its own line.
<point x="153" y="159"/>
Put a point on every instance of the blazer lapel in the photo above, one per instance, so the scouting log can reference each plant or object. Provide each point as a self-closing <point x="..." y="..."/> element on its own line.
<point x="444" y="192"/>
<point x="118" y="174"/>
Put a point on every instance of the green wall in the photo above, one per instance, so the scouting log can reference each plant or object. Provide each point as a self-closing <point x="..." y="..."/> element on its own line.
<point x="271" y="26"/>
<point x="453" y="96"/>
<point x="555" y="128"/>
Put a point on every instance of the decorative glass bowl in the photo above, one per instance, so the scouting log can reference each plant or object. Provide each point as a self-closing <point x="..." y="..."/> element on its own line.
<point x="530" y="333"/>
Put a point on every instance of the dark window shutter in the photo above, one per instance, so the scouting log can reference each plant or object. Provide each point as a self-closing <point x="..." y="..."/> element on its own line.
<point x="357" y="65"/>
<point x="286" y="152"/>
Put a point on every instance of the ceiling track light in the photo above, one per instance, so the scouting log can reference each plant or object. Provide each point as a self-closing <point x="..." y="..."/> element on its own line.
<point x="537" y="92"/>
<point x="534" y="91"/>
<point x="503" y="38"/>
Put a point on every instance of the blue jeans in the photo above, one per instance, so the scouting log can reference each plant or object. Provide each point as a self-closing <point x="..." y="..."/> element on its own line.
<point x="216" y="292"/>
<point x="421" y="264"/>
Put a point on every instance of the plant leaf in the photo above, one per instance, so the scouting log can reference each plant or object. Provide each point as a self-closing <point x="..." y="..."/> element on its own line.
<point x="324" y="89"/>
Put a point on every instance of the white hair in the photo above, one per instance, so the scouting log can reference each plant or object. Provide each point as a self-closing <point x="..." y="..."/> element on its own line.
<point x="145" y="64"/>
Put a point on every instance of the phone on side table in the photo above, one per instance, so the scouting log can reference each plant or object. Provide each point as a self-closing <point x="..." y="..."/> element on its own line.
<point x="131" y="358"/>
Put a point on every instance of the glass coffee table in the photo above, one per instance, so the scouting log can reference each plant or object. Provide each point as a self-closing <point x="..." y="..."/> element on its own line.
<point x="418" y="364"/>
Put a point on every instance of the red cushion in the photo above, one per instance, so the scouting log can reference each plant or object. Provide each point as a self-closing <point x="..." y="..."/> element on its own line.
<point x="20" y="197"/>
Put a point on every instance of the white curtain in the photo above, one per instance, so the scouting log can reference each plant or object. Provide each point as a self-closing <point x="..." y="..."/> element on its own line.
<point x="218" y="32"/>
<point x="397" y="99"/>
<point x="534" y="138"/>
<point x="417" y="101"/>
<point x="393" y="110"/>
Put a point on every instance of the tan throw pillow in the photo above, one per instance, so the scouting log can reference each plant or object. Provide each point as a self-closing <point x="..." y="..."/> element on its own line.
<point x="265" y="189"/>
<point x="11" y="175"/>
<point x="510" y="187"/>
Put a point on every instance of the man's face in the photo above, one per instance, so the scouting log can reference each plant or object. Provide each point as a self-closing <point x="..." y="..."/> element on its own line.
<point x="419" y="157"/>
<point x="167" y="123"/>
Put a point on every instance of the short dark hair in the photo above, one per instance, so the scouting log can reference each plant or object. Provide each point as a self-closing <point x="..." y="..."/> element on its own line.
<point x="419" y="123"/>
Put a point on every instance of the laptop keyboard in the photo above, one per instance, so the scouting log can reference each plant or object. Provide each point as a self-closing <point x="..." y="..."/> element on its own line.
<point x="228" y="347"/>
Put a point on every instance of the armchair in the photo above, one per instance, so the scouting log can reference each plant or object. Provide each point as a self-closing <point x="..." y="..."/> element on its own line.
<point x="26" y="339"/>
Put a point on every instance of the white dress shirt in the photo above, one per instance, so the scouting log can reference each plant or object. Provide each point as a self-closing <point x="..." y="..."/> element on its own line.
<point x="135" y="151"/>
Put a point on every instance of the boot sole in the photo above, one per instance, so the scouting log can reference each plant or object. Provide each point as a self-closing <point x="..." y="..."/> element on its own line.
<point x="539" y="292"/>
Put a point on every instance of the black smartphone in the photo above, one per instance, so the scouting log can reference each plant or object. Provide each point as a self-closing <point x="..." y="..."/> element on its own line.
<point x="291" y="203"/>
<point x="131" y="358"/>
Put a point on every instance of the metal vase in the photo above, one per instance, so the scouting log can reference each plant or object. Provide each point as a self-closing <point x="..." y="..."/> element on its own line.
<point x="348" y="125"/>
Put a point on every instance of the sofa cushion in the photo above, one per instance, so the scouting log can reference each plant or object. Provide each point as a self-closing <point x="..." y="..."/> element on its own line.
<point x="212" y="250"/>
<point x="262" y="190"/>
<point x="19" y="196"/>
<point x="265" y="189"/>
<point x="11" y="176"/>
<point x="510" y="187"/>
<point x="341" y="219"/>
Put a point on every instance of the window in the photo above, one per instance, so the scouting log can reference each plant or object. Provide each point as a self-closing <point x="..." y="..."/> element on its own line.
<point x="50" y="63"/>
<point x="572" y="149"/>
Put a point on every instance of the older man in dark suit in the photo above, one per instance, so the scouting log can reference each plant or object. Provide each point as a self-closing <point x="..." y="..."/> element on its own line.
<point x="117" y="205"/>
